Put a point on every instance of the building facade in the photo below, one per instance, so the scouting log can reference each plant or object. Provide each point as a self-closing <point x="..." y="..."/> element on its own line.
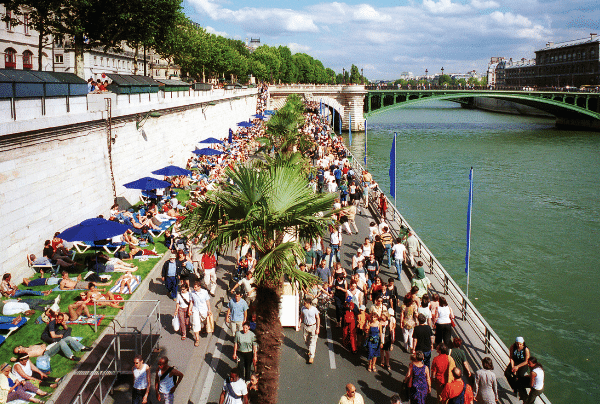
<point x="19" y="44"/>
<point x="567" y="64"/>
<point x="573" y="63"/>
<point x="19" y="47"/>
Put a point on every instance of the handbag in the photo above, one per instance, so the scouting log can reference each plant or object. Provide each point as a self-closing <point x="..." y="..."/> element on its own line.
<point x="210" y="323"/>
<point x="452" y="323"/>
<point x="175" y="323"/>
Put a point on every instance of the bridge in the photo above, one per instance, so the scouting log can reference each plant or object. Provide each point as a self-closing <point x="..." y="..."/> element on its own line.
<point x="355" y="102"/>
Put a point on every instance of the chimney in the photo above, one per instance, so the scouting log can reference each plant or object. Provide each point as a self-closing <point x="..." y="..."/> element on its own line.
<point x="593" y="37"/>
<point x="549" y="44"/>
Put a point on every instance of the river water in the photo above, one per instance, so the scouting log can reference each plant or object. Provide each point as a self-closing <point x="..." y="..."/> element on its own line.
<point x="535" y="252"/>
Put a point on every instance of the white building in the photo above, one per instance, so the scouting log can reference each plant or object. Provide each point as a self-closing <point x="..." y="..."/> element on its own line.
<point x="19" y="45"/>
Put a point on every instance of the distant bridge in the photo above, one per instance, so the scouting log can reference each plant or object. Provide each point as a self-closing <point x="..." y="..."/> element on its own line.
<point x="357" y="103"/>
<point x="559" y="104"/>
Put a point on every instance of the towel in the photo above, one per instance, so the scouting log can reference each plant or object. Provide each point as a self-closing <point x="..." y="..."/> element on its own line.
<point x="134" y="284"/>
<point x="94" y="320"/>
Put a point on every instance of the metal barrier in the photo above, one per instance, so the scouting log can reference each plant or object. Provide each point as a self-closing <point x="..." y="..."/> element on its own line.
<point x="145" y="329"/>
<point x="493" y="345"/>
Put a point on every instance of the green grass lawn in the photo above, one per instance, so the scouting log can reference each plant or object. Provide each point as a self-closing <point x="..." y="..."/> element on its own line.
<point x="30" y="333"/>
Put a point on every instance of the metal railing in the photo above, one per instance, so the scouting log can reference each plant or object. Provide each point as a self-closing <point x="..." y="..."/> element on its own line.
<point x="492" y="343"/>
<point x="144" y="328"/>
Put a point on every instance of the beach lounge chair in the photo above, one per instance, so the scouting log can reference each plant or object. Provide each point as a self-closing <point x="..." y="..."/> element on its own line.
<point x="162" y="227"/>
<point x="83" y="246"/>
<point x="10" y="327"/>
<point x="46" y="267"/>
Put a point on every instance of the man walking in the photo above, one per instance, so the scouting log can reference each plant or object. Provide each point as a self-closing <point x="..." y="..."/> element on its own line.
<point x="399" y="252"/>
<point x="423" y="339"/>
<point x="234" y="390"/>
<point x="351" y="396"/>
<point x="237" y="313"/>
<point x="208" y="263"/>
<point x="170" y="275"/>
<point x="312" y="323"/>
<point x="166" y="381"/>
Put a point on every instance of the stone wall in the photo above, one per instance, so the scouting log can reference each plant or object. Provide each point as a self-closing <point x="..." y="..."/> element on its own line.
<point x="62" y="176"/>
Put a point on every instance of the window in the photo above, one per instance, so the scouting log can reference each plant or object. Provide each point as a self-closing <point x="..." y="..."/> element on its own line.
<point x="10" y="58"/>
<point x="95" y="61"/>
<point x="26" y="23"/>
<point x="8" y="23"/>
<point x="27" y="60"/>
<point x="58" y="59"/>
<point x="101" y="61"/>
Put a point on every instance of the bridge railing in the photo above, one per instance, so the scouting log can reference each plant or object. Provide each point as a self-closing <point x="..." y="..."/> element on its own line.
<point x="472" y="318"/>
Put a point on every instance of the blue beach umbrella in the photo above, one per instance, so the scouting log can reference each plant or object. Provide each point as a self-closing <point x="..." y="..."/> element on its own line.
<point x="211" y="140"/>
<point x="171" y="170"/>
<point x="93" y="229"/>
<point x="270" y="112"/>
<point x="259" y="116"/>
<point x="244" y="124"/>
<point x="230" y="138"/>
<point x="147" y="183"/>
<point x="207" y="152"/>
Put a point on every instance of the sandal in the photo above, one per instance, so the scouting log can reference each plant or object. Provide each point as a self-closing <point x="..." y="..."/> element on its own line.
<point x="196" y="343"/>
<point x="182" y="338"/>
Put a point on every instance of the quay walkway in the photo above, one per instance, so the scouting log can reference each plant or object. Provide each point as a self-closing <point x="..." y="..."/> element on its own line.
<point x="206" y="367"/>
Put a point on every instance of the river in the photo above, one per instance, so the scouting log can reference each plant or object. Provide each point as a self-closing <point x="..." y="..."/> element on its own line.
<point x="535" y="256"/>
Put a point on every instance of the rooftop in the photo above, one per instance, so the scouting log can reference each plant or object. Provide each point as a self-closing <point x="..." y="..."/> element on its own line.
<point x="593" y="38"/>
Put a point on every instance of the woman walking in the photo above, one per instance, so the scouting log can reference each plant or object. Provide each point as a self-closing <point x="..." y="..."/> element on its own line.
<point x="486" y="387"/>
<point x="418" y="379"/>
<point x="182" y="309"/>
<point x="373" y="342"/>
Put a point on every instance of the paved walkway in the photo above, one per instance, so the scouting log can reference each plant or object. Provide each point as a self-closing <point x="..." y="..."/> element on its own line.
<point x="206" y="366"/>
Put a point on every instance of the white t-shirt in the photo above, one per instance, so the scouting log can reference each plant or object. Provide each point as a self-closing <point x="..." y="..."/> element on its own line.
<point x="310" y="315"/>
<point x="200" y="302"/>
<point x="235" y="391"/>
<point x="398" y="250"/>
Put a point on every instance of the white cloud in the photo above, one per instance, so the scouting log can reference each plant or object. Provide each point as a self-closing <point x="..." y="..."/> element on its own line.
<point x="297" y="48"/>
<point x="445" y="7"/>
<point x="420" y="34"/>
<point x="211" y="30"/>
<point x="270" y="20"/>
<point x="482" y="4"/>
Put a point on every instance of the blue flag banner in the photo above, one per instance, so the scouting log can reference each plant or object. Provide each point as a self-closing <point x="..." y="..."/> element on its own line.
<point x="320" y="108"/>
<point x="365" y="143"/>
<point x="392" y="171"/>
<point x="350" y="130"/>
<point x="469" y="208"/>
<point x="230" y="139"/>
<point x="340" y="120"/>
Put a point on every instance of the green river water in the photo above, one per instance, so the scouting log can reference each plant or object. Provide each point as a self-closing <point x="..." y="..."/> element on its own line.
<point x="535" y="252"/>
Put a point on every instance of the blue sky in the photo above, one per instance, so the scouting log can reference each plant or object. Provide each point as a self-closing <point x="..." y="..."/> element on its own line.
<point x="386" y="38"/>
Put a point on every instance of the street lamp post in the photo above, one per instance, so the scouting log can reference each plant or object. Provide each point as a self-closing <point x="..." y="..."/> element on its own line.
<point x="426" y="79"/>
<point x="362" y="79"/>
<point x="343" y="76"/>
<point x="442" y="76"/>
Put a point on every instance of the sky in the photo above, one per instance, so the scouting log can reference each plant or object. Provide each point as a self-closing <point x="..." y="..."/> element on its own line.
<point x="388" y="37"/>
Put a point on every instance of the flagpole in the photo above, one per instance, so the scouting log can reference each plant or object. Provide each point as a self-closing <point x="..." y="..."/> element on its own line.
<point x="395" y="147"/>
<point x="350" y="126"/>
<point x="469" y="210"/>
<point x="365" y="144"/>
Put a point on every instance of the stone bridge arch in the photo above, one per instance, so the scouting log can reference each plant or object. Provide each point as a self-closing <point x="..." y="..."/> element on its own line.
<point x="347" y="101"/>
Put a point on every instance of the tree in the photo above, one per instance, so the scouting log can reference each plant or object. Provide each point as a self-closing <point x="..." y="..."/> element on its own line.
<point x="270" y="58"/>
<point x="271" y="205"/>
<point x="354" y="75"/>
<point x="41" y="15"/>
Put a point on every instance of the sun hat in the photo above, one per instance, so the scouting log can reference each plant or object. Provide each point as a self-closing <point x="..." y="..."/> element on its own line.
<point x="520" y="340"/>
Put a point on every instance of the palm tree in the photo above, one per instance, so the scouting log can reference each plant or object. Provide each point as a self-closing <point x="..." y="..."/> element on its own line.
<point x="273" y="207"/>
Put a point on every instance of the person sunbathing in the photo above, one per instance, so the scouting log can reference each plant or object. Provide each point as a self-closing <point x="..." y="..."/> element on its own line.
<point x="9" y="289"/>
<point x="33" y="351"/>
<point x="41" y="281"/>
<point x="114" y="264"/>
<point x="67" y="283"/>
<point x="126" y="280"/>
<point x="101" y="299"/>
<point x="45" y="261"/>
<point x="80" y="306"/>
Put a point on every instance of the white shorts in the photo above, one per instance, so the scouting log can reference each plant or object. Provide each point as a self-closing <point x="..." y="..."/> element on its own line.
<point x="197" y="321"/>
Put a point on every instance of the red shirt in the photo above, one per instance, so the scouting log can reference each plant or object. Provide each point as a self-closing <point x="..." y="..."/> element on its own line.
<point x="439" y="368"/>
<point x="209" y="261"/>
<point x="453" y="389"/>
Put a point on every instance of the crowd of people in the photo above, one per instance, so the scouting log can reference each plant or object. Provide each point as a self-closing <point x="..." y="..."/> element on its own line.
<point x="371" y="313"/>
